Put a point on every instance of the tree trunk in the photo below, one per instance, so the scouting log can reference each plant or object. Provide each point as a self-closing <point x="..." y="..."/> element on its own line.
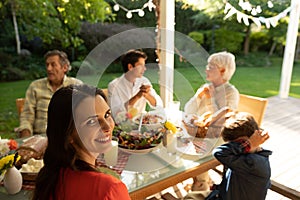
<point x="247" y="40"/>
<point x="272" y="48"/>
<point x="18" y="42"/>
<point x="297" y="54"/>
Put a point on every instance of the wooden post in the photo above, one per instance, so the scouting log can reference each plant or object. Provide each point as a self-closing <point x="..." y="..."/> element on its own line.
<point x="166" y="62"/>
<point x="289" y="52"/>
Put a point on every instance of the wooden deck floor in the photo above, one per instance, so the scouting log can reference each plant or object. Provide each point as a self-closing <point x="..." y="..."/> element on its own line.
<point x="282" y="120"/>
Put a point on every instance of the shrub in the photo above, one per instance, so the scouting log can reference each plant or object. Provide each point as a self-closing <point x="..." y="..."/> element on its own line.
<point x="197" y="36"/>
<point x="11" y="74"/>
<point x="260" y="41"/>
<point x="222" y="39"/>
<point x="94" y="34"/>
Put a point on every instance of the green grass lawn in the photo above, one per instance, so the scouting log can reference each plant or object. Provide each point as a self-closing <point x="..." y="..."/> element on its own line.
<point x="257" y="81"/>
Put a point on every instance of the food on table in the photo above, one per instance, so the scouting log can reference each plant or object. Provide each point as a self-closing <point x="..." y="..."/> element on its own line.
<point x="149" y="119"/>
<point x="33" y="147"/>
<point x="137" y="140"/>
<point x="198" y="126"/>
<point x="32" y="166"/>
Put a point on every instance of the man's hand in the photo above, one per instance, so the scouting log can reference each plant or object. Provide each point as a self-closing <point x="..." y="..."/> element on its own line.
<point x="145" y="89"/>
<point x="144" y="92"/>
<point x="258" y="138"/>
<point x="24" y="133"/>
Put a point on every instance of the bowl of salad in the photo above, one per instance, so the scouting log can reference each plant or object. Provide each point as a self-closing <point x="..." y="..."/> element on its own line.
<point x="139" y="142"/>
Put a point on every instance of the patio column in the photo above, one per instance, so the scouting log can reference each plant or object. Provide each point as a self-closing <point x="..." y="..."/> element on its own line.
<point x="166" y="62"/>
<point x="289" y="52"/>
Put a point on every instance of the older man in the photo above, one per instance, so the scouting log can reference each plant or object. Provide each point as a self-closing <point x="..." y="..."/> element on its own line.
<point x="33" y="119"/>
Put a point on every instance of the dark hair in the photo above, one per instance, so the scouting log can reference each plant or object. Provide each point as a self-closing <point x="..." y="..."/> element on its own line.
<point x="131" y="57"/>
<point x="60" y="153"/>
<point x="63" y="57"/>
<point x="237" y="125"/>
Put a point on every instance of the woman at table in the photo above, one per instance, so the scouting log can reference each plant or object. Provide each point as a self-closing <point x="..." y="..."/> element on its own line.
<point x="213" y="96"/>
<point x="79" y="128"/>
<point x="219" y="92"/>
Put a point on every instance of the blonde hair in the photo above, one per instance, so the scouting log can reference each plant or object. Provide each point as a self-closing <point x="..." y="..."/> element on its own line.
<point x="224" y="60"/>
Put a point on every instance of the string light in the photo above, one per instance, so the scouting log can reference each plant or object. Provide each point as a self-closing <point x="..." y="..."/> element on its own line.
<point x="140" y="11"/>
<point x="254" y="10"/>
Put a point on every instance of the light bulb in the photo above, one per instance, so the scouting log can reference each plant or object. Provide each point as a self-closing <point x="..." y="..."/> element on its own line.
<point x="258" y="9"/>
<point x="141" y="13"/>
<point x="253" y="12"/>
<point x="129" y="15"/>
<point x="270" y="4"/>
<point x="116" y="7"/>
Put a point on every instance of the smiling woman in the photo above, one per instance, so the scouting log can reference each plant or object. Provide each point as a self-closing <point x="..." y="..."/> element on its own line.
<point x="79" y="128"/>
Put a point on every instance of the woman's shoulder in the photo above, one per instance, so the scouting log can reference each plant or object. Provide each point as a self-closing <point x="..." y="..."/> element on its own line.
<point x="92" y="177"/>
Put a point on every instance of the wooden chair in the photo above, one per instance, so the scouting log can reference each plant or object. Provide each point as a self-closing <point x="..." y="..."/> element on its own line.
<point x="254" y="105"/>
<point x="20" y="105"/>
<point x="251" y="104"/>
<point x="105" y="91"/>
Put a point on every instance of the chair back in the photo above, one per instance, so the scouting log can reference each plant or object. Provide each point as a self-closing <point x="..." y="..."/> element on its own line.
<point x="20" y="104"/>
<point x="105" y="91"/>
<point x="254" y="105"/>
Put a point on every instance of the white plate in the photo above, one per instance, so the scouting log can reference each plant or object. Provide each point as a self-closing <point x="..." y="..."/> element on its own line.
<point x="194" y="146"/>
<point x="140" y="151"/>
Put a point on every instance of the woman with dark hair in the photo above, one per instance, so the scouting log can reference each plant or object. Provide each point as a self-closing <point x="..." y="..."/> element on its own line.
<point x="79" y="128"/>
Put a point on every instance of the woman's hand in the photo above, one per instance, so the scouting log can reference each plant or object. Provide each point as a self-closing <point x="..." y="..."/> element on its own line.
<point x="205" y="92"/>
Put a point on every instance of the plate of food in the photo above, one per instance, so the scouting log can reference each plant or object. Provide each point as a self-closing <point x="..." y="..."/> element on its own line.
<point x="31" y="169"/>
<point x="198" y="126"/>
<point x="152" y="120"/>
<point x="135" y="142"/>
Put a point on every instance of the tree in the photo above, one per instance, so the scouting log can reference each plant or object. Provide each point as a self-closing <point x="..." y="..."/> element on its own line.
<point x="56" y="21"/>
<point x="212" y="12"/>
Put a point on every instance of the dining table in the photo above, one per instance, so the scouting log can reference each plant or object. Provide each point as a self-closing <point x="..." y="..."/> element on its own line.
<point x="146" y="173"/>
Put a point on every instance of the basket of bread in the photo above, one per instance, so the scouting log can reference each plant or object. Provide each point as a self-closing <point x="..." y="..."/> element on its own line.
<point x="31" y="169"/>
<point x="32" y="147"/>
<point x="199" y="126"/>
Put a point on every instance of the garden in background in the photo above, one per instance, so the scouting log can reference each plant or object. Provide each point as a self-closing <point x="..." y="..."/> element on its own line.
<point x="77" y="29"/>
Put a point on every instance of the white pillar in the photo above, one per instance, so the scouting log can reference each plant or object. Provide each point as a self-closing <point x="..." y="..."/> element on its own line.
<point x="289" y="52"/>
<point x="167" y="22"/>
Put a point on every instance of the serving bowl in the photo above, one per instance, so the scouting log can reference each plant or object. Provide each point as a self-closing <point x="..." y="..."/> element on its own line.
<point x="151" y="121"/>
<point x="139" y="142"/>
<point x="140" y="151"/>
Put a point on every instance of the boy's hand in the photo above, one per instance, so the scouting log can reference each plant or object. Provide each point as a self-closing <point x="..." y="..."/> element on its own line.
<point x="258" y="138"/>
